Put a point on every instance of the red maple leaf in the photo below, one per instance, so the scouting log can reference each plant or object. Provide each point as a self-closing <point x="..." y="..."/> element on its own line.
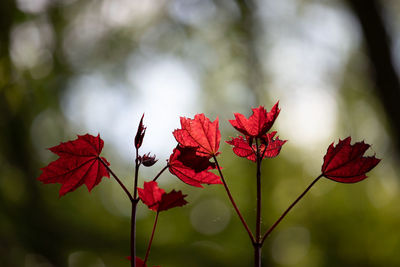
<point x="79" y="163"/>
<point x="171" y="200"/>
<point x="151" y="194"/>
<point x="242" y="148"/>
<point x="192" y="169"/>
<point x="258" y="123"/>
<point x="345" y="163"/>
<point x="156" y="199"/>
<point x="269" y="148"/>
<point x="199" y="133"/>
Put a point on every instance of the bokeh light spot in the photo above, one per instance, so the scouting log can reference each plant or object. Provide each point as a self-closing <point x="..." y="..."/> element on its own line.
<point x="210" y="216"/>
<point x="290" y="245"/>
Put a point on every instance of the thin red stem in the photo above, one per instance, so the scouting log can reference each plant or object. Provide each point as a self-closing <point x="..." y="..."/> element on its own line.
<point x="137" y="165"/>
<point x="289" y="208"/>
<point x="151" y="239"/>
<point x="118" y="180"/>
<point x="133" y="214"/>
<point x="265" y="150"/>
<point x="162" y="170"/>
<point x="233" y="202"/>
<point x="257" y="254"/>
<point x="257" y="245"/>
<point x="133" y="234"/>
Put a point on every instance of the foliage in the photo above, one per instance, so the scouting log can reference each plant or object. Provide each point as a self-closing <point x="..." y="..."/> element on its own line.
<point x="198" y="142"/>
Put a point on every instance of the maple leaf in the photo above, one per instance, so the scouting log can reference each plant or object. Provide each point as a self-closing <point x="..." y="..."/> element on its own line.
<point x="199" y="133"/>
<point x="79" y="163"/>
<point x="258" y="123"/>
<point x="345" y="163"/>
<point x="192" y="169"/>
<point x="171" y="200"/>
<point x="269" y="147"/>
<point x="156" y="199"/>
<point x="242" y="148"/>
<point x="151" y="194"/>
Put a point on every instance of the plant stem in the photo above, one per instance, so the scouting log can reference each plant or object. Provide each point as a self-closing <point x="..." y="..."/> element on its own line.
<point x="151" y="238"/>
<point x="257" y="245"/>
<point x="133" y="233"/>
<point x="162" y="170"/>
<point x="289" y="208"/>
<point x="257" y="254"/>
<point x="233" y="202"/>
<point x="133" y="214"/>
<point x="137" y="165"/>
<point x="117" y="179"/>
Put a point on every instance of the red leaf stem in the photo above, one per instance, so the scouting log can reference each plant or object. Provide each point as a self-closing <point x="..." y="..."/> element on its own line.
<point x="233" y="201"/>
<point x="151" y="238"/>
<point x="288" y="209"/>
<point x="159" y="174"/>
<point x="118" y="180"/>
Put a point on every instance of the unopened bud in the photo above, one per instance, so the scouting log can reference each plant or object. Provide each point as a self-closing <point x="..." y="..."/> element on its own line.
<point x="148" y="160"/>
<point x="140" y="134"/>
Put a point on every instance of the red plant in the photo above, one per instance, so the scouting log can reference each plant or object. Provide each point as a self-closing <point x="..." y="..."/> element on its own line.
<point x="193" y="160"/>
<point x="79" y="163"/>
<point x="345" y="163"/>
<point x="258" y="123"/>
<point x="192" y="169"/>
<point x="140" y="134"/>
<point x="156" y="199"/>
<point x="199" y="133"/>
<point x="269" y="146"/>
<point x="151" y="194"/>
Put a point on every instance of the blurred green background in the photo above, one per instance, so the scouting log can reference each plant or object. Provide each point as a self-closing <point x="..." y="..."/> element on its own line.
<point x="70" y="67"/>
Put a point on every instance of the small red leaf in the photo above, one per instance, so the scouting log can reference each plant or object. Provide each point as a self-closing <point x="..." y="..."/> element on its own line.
<point x="345" y="163"/>
<point x="258" y="123"/>
<point x="242" y="148"/>
<point x="171" y="200"/>
<point x="140" y="262"/>
<point x="273" y="147"/>
<point x="156" y="199"/>
<point x="192" y="169"/>
<point x="270" y="147"/>
<point x="199" y="133"/>
<point x="79" y="163"/>
<point x="151" y="194"/>
<point x="189" y="158"/>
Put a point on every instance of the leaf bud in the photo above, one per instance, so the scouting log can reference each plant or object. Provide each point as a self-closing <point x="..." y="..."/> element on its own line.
<point x="140" y="134"/>
<point x="148" y="160"/>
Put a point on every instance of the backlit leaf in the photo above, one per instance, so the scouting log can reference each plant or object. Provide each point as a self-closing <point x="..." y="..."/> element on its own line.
<point x="258" y="123"/>
<point x="79" y="163"/>
<point x="345" y="163"/>
<point x="191" y="168"/>
<point x="269" y="148"/>
<point x="199" y="133"/>
<point x="156" y="198"/>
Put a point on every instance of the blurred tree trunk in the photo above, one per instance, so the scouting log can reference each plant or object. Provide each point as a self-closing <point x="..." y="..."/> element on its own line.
<point x="248" y="29"/>
<point x="378" y="47"/>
